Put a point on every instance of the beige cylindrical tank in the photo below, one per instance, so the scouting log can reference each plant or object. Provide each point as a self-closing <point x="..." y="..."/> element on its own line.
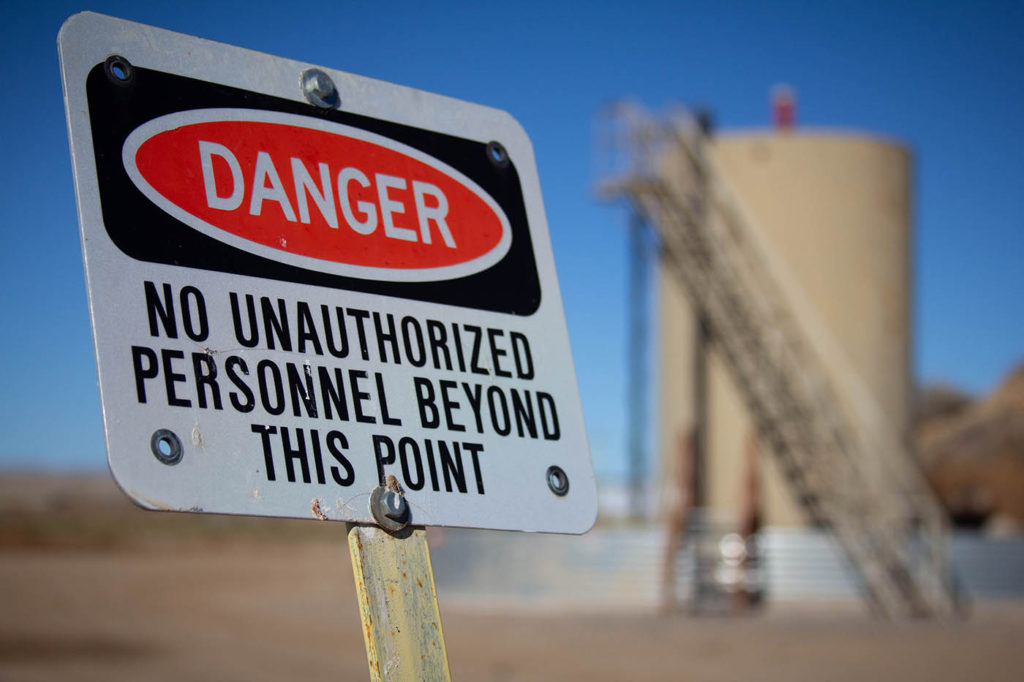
<point x="836" y="209"/>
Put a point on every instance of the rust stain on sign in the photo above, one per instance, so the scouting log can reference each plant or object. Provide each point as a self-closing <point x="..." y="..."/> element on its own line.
<point x="317" y="512"/>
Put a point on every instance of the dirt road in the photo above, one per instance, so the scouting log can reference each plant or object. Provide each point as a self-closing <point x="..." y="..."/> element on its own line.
<point x="285" y="611"/>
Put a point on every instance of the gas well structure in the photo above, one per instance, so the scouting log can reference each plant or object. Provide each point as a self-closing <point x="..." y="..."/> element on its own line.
<point x="783" y="284"/>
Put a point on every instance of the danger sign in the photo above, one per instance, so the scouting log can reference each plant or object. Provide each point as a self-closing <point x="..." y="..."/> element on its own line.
<point x="292" y="301"/>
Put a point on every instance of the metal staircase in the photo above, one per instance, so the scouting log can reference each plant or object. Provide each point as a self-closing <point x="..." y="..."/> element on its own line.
<point x="851" y="473"/>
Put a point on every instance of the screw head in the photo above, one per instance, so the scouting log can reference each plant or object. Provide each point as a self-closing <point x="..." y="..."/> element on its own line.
<point x="119" y="70"/>
<point x="389" y="509"/>
<point x="394" y="505"/>
<point x="166" y="446"/>
<point x="319" y="89"/>
<point x="497" y="154"/>
<point x="558" y="481"/>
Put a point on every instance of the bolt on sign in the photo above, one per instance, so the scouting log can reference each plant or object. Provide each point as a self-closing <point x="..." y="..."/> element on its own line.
<point x="303" y="282"/>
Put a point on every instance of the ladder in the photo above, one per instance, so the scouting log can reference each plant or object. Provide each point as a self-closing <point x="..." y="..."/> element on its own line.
<point x="849" y="472"/>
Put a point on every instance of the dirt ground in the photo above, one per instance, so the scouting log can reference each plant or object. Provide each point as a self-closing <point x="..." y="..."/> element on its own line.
<point x="263" y="611"/>
<point x="92" y="588"/>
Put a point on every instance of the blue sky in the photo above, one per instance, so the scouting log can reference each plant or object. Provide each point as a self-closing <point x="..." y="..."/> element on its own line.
<point x="944" y="77"/>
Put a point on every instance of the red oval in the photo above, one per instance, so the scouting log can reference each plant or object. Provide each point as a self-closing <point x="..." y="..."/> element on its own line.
<point x="269" y="210"/>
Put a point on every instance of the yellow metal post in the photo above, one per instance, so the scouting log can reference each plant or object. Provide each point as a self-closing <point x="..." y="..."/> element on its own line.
<point x="398" y="604"/>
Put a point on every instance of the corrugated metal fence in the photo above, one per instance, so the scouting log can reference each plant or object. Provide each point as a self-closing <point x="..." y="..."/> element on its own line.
<point x="620" y="568"/>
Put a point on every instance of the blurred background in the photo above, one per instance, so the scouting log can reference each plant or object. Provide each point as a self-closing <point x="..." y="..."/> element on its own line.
<point x="789" y="245"/>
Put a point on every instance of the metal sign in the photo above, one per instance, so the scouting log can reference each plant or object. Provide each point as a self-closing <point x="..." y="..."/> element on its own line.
<point x="303" y="282"/>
